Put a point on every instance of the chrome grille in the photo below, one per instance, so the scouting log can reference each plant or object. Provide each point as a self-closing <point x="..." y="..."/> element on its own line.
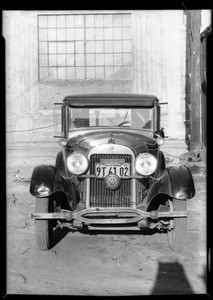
<point x="100" y="196"/>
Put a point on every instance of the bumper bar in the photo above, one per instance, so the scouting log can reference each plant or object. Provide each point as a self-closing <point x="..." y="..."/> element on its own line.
<point x="108" y="216"/>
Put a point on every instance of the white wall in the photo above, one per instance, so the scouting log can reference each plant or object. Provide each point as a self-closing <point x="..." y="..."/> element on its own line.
<point x="159" y="42"/>
<point x="158" y="39"/>
<point x="22" y="102"/>
<point x="206" y="19"/>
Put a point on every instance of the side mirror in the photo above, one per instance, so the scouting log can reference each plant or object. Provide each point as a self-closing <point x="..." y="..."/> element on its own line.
<point x="159" y="136"/>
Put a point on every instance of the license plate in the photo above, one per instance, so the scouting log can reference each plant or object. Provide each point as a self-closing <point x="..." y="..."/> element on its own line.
<point x="121" y="170"/>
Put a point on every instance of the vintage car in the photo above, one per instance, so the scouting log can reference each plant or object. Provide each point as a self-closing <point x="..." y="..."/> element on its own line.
<point x="111" y="173"/>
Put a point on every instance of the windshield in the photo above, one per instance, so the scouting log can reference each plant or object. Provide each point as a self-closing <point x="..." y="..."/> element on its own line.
<point x="140" y="118"/>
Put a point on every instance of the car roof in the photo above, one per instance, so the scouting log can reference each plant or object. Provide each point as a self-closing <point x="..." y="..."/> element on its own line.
<point x="111" y="100"/>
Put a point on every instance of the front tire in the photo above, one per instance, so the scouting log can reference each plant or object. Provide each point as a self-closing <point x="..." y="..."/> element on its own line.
<point x="177" y="232"/>
<point x="44" y="228"/>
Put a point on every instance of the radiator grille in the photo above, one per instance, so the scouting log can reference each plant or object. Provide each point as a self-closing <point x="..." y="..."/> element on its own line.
<point x="100" y="196"/>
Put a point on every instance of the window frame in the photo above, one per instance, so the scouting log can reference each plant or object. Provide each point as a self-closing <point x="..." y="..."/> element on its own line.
<point x="75" y="67"/>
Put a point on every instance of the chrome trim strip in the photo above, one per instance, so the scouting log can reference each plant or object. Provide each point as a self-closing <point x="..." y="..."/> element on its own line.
<point x="113" y="149"/>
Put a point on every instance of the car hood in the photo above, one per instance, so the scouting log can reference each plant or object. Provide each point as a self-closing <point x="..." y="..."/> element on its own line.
<point x="137" y="140"/>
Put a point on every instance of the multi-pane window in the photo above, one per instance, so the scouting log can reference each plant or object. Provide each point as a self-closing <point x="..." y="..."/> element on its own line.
<point x="85" y="46"/>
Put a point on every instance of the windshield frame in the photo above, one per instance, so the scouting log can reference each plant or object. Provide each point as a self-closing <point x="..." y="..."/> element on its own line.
<point x="154" y="117"/>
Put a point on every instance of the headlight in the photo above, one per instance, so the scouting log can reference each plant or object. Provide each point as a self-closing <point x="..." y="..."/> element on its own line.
<point x="77" y="163"/>
<point x="145" y="164"/>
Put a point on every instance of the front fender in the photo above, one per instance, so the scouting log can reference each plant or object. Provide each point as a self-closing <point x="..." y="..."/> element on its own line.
<point x="175" y="181"/>
<point x="47" y="180"/>
<point x="181" y="181"/>
<point x="42" y="179"/>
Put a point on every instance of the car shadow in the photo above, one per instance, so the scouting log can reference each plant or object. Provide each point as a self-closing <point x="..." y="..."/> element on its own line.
<point x="171" y="280"/>
<point x="58" y="235"/>
<point x="118" y="231"/>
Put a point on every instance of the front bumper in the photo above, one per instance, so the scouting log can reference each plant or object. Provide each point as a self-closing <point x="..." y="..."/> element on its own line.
<point x="106" y="216"/>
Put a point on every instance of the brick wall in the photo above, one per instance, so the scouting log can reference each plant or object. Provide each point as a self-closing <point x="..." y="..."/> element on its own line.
<point x="51" y="92"/>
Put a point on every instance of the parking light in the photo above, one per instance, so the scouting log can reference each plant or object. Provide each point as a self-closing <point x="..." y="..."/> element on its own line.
<point x="160" y="140"/>
<point x="63" y="142"/>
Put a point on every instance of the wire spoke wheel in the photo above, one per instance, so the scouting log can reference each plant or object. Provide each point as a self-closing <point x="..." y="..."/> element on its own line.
<point x="176" y="232"/>
<point x="44" y="228"/>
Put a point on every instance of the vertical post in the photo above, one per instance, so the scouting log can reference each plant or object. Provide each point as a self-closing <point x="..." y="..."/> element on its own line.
<point x="188" y="80"/>
<point x="195" y="80"/>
